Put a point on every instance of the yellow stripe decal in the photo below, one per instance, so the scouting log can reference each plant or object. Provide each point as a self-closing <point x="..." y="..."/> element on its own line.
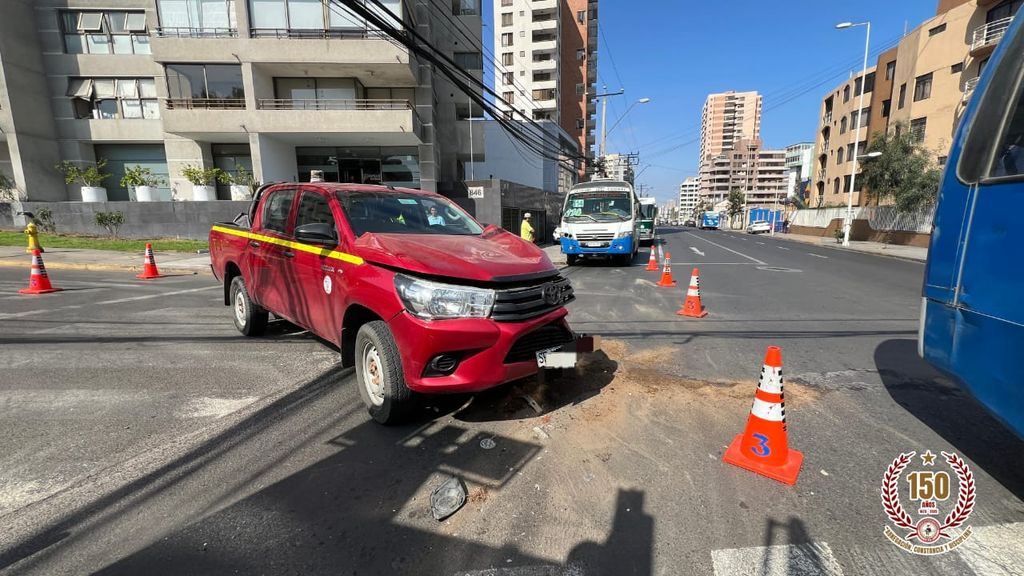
<point x="294" y="245"/>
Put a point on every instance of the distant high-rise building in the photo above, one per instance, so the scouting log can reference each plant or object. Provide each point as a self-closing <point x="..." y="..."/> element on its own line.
<point x="760" y="174"/>
<point x="618" y="167"/>
<point x="689" y="196"/>
<point x="727" y="118"/>
<point x="799" y="167"/>
<point x="547" y="62"/>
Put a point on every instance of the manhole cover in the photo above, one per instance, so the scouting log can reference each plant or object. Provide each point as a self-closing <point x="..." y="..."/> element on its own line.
<point x="777" y="269"/>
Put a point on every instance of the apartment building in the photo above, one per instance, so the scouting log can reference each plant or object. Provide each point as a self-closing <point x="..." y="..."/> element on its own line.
<point x="278" y="87"/>
<point x="619" y="167"/>
<point x="921" y="85"/>
<point x="839" y="130"/>
<point x="689" y="197"/>
<point x="757" y="172"/>
<point x="547" y="63"/>
<point x="726" y="118"/>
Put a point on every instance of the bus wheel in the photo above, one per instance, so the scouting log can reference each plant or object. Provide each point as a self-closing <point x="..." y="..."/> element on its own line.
<point x="570" y="259"/>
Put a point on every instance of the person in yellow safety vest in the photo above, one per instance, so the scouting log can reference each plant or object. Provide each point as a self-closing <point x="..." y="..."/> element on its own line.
<point x="526" y="230"/>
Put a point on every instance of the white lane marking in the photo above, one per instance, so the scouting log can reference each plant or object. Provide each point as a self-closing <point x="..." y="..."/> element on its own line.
<point x="995" y="550"/>
<point x="787" y="560"/>
<point x="761" y="243"/>
<point x="697" y="252"/>
<point x="782" y="248"/>
<point x="818" y="255"/>
<point x="105" y="302"/>
<point x="752" y="259"/>
<point x="22" y="314"/>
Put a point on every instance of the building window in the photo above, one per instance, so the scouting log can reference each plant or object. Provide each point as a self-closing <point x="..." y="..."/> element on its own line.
<point x="846" y="93"/>
<point x="580" y="124"/>
<point x="106" y="32"/>
<point x="846" y="184"/>
<point x="956" y="68"/>
<point x="835" y="186"/>
<point x="114" y="98"/>
<point x="215" y="85"/>
<point x="506" y="19"/>
<point x="581" y="16"/>
<point x="580" y="88"/>
<point x="903" y="97"/>
<point x="842" y="125"/>
<point x="890" y="70"/>
<point x="581" y="54"/>
<point x="507" y="59"/>
<point x="508" y="79"/>
<point x="506" y="3"/>
<point x="840" y="156"/>
<point x="917" y="128"/>
<point x="508" y="97"/>
<point x="196" y="17"/>
<point x="941" y="160"/>
<point x="937" y="30"/>
<point x="506" y="39"/>
<point x="869" y="84"/>
<point x="864" y="118"/>
<point x="544" y="94"/>
<point x="886" y="104"/>
<point x="461" y="7"/>
<point x="541" y="76"/>
<point x="1004" y="10"/>
<point x="469" y="60"/>
<point x="923" y="87"/>
<point x="269" y="17"/>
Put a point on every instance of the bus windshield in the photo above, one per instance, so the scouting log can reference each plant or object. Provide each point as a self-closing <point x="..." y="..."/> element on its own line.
<point x="599" y="207"/>
<point x="648" y="211"/>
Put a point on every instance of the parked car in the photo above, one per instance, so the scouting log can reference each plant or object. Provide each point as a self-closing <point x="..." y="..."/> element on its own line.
<point x="418" y="296"/>
<point x="690" y="223"/>
<point x="758" y="227"/>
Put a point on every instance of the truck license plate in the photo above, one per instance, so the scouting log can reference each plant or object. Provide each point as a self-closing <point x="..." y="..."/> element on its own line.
<point x="556" y="358"/>
<point x="595" y="244"/>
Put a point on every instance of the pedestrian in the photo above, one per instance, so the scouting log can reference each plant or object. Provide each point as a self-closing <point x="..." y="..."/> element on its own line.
<point x="526" y="229"/>
<point x="433" y="218"/>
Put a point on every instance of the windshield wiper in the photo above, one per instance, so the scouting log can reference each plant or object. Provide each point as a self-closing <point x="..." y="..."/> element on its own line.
<point x="592" y="219"/>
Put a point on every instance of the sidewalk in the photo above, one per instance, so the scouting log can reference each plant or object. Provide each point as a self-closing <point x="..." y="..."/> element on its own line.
<point x="892" y="250"/>
<point x="84" y="259"/>
<point x="554" y="252"/>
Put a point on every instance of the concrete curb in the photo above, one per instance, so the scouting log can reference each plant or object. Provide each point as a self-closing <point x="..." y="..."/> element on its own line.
<point x="855" y="251"/>
<point x="103" y="267"/>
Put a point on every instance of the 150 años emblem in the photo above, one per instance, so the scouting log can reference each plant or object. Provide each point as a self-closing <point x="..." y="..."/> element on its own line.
<point x="930" y="491"/>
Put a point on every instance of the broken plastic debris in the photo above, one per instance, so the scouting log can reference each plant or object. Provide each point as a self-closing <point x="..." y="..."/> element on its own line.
<point x="541" y="434"/>
<point x="533" y="404"/>
<point x="447" y="498"/>
<point x="487" y="443"/>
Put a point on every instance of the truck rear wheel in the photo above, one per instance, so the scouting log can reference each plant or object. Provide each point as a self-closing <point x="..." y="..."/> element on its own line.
<point x="250" y="319"/>
<point x="379" y="375"/>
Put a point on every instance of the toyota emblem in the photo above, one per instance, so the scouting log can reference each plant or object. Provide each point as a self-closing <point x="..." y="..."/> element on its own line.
<point x="552" y="294"/>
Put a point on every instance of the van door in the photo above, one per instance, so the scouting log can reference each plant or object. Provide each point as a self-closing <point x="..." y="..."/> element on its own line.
<point x="319" y="277"/>
<point x="270" y="262"/>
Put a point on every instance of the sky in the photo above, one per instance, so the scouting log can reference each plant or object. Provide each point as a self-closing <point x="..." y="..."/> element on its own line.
<point x="676" y="52"/>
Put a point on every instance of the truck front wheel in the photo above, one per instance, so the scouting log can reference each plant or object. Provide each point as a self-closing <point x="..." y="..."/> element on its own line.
<point x="379" y="375"/>
<point x="250" y="319"/>
<point x="571" y="259"/>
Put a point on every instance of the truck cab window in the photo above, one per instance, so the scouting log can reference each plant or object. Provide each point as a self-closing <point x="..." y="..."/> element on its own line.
<point x="277" y="209"/>
<point x="313" y="209"/>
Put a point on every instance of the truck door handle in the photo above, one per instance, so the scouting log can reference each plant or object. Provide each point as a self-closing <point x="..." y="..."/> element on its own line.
<point x="288" y="254"/>
<point x="254" y="244"/>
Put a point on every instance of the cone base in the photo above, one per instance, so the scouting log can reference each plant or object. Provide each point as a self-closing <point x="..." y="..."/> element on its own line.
<point x="39" y="290"/>
<point x="150" y="276"/>
<point x="664" y="284"/>
<point x="684" y="312"/>
<point x="785" y="473"/>
<point x="652" y="269"/>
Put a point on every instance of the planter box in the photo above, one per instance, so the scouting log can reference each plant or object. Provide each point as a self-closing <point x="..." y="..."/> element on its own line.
<point x="204" y="193"/>
<point x="94" y="194"/>
<point x="146" y="194"/>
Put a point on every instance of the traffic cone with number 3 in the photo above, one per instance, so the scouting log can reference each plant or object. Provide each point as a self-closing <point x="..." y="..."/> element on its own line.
<point x="763" y="448"/>
<point x="692" y="306"/>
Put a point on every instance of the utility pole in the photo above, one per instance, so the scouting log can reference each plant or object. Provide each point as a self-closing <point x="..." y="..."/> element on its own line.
<point x="604" y="115"/>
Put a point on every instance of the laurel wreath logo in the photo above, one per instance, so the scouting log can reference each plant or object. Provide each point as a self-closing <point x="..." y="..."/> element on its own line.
<point x="899" y="516"/>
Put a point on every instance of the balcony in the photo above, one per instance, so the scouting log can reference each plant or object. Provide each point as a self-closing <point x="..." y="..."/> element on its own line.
<point x="969" y="87"/>
<point x="204" y="103"/>
<point x="383" y="122"/>
<point x="544" y="5"/>
<point x="985" y="37"/>
<point x="544" y="25"/>
<point x="176" y="32"/>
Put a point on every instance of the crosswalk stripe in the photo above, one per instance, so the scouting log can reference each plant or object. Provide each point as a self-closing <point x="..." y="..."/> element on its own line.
<point x="813" y="558"/>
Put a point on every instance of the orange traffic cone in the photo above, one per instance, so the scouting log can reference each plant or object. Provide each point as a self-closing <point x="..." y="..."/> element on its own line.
<point x="763" y="447"/>
<point x="149" y="270"/>
<point x="652" y="262"/>
<point x="666" y="273"/>
<point x="38" y="281"/>
<point x="692" y="306"/>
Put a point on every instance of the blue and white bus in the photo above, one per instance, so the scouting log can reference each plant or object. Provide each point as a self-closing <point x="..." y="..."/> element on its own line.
<point x="972" y="314"/>
<point x="600" y="218"/>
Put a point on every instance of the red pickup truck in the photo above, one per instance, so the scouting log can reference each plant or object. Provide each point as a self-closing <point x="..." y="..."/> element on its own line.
<point x="418" y="295"/>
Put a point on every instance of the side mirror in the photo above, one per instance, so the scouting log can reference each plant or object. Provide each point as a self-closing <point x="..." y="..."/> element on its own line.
<point x="319" y="233"/>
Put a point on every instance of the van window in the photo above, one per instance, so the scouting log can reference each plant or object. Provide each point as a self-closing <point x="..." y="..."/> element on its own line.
<point x="1009" y="157"/>
<point x="277" y="209"/>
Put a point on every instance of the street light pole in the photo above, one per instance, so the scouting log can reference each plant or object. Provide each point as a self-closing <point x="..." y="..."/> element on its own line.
<point x="860" y="122"/>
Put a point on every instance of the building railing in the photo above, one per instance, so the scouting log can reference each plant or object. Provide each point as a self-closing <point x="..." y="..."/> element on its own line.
<point x="180" y="32"/>
<point x="330" y="104"/>
<point x="970" y="86"/>
<point x="318" y="34"/>
<point x="990" y="33"/>
<point x="204" y="103"/>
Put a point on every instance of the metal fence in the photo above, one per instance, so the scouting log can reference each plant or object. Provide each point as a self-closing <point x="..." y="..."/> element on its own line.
<point x="883" y="218"/>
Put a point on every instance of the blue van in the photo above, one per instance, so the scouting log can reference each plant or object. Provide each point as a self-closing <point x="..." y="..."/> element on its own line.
<point x="972" y="314"/>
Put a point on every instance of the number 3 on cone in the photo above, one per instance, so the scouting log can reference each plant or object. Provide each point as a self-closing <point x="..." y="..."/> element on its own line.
<point x="762" y="448"/>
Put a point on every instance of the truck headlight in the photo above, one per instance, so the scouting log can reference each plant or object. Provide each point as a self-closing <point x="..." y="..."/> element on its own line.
<point x="626" y="234"/>
<point x="435" y="301"/>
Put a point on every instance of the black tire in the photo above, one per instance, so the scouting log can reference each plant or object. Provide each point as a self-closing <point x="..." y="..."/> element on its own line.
<point x="571" y="259"/>
<point x="379" y="365"/>
<point x="249" y="318"/>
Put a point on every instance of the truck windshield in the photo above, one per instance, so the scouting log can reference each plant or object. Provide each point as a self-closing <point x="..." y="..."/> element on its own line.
<point x="598" y="207"/>
<point x="405" y="213"/>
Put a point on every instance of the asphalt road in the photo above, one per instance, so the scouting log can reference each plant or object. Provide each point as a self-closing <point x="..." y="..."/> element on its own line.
<point x="141" y="434"/>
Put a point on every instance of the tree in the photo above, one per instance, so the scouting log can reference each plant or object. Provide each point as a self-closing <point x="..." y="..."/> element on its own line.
<point x="737" y="201"/>
<point x="903" y="172"/>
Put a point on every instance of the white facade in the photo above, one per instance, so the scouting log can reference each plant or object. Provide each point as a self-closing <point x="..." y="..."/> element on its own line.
<point x="506" y="159"/>
<point x="689" y="196"/>
<point x="618" y="167"/>
<point x="529" y="80"/>
<point x="800" y="159"/>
